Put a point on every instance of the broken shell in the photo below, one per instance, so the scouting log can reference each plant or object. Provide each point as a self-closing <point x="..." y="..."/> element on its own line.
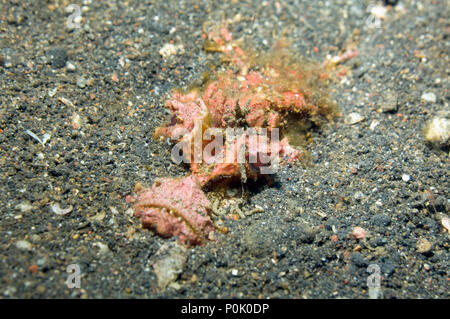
<point x="446" y="223"/>
<point x="59" y="211"/>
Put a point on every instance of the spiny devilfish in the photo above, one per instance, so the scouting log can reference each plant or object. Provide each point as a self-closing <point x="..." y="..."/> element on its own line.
<point x="244" y="96"/>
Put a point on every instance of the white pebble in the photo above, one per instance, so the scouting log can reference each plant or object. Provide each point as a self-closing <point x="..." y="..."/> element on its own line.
<point x="103" y="248"/>
<point x="438" y="131"/>
<point x="406" y="177"/>
<point x="23" y="244"/>
<point x="374" y="124"/>
<point x="169" y="49"/>
<point x="446" y="223"/>
<point x="25" y="207"/>
<point x="429" y="97"/>
<point x="354" y="118"/>
<point x="70" y="66"/>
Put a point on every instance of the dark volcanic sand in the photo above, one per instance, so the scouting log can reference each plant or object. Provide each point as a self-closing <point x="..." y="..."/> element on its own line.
<point x="102" y="110"/>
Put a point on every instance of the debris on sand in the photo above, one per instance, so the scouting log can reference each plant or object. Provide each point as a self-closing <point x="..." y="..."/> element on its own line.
<point x="169" y="263"/>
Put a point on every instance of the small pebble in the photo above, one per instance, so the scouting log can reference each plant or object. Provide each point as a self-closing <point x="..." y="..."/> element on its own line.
<point x="168" y="268"/>
<point x="81" y="82"/>
<point x="406" y="178"/>
<point x="25" y="207"/>
<point x="429" y="97"/>
<point x="58" y="57"/>
<point x="359" y="232"/>
<point x="373" y="125"/>
<point x="446" y="223"/>
<point x="33" y="269"/>
<point x="169" y="49"/>
<point x="354" y="118"/>
<point x="381" y="220"/>
<point x="70" y="66"/>
<point x="438" y="131"/>
<point x="24" y="245"/>
<point x="389" y="104"/>
<point x="423" y="246"/>
<point x="103" y="248"/>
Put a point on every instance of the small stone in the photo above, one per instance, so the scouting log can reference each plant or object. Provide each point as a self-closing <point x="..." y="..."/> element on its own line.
<point x="374" y="124"/>
<point x="353" y="118"/>
<point x="170" y="49"/>
<point x="33" y="269"/>
<point x="103" y="248"/>
<point x="175" y="285"/>
<point x="284" y="284"/>
<point x="24" y="245"/>
<point x="389" y="104"/>
<point x="381" y="220"/>
<point x="234" y="272"/>
<point x="70" y="66"/>
<point x="438" y="131"/>
<point x="169" y="267"/>
<point x="58" y="57"/>
<point x="429" y="97"/>
<point x="81" y="82"/>
<point x="406" y="178"/>
<point x="25" y="207"/>
<point x="359" y="232"/>
<point x="446" y="223"/>
<point x="254" y="276"/>
<point x="423" y="246"/>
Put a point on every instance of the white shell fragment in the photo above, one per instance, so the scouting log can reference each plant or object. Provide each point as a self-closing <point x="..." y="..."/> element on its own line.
<point x="429" y="97"/>
<point x="354" y="118"/>
<point x="446" y="223"/>
<point x="59" y="211"/>
<point x="438" y="131"/>
<point x="169" y="49"/>
<point x="44" y="140"/>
